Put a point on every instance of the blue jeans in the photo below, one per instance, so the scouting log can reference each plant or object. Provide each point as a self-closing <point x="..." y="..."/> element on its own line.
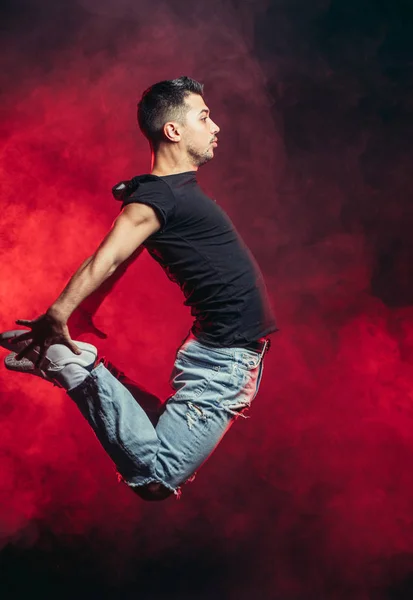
<point x="212" y="387"/>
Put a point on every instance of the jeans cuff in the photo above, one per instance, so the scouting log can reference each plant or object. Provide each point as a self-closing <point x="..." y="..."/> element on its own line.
<point x="142" y="481"/>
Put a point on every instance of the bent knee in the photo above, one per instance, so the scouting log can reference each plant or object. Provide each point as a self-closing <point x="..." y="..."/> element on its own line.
<point x="153" y="491"/>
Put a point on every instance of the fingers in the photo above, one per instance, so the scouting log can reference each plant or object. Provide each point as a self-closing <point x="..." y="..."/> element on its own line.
<point x="42" y="353"/>
<point x="73" y="347"/>
<point x="21" y="338"/>
<point x="25" y="351"/>
<point x="24" y="322"/>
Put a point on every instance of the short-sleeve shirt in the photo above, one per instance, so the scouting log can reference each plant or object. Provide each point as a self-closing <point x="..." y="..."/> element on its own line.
<point x="199" y="249"/>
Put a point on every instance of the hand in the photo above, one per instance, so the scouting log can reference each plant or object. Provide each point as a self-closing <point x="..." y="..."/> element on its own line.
<point x="45" y="331"/>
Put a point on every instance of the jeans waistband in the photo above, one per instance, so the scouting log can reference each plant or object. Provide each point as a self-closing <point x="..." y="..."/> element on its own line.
<point x="261" y="346"/>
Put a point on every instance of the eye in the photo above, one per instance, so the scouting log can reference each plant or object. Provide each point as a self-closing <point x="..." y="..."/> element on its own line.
<point x="204" y="119"/>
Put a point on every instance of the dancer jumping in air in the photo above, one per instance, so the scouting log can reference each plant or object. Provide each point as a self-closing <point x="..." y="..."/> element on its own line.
<point x="218" y="367"/>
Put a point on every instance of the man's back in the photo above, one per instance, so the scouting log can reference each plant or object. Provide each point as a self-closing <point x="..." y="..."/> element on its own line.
<point x="200" y="250"/>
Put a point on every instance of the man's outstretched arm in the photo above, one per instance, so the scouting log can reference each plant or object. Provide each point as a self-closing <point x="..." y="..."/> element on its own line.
<point x="131" y="228"/>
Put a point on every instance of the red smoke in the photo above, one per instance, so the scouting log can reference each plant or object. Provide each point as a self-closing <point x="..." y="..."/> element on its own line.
<point x="312" y="495"/>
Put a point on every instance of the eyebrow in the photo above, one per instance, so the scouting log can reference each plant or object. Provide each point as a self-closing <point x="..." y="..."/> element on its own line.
<point x="204" y="110"/>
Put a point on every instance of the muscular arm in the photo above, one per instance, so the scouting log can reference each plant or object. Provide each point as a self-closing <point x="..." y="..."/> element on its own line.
<point x="135" y="223"/>
<point x="132" y="227"/>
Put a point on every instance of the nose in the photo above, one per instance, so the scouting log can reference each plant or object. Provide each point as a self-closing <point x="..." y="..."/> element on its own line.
<point x="215" y="129"/>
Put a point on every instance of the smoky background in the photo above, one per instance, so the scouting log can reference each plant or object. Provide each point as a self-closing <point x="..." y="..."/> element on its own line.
<point x="311" y="498"/>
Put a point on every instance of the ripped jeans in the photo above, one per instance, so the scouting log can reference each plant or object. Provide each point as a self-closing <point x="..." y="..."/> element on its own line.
<point x="212" y="387"/>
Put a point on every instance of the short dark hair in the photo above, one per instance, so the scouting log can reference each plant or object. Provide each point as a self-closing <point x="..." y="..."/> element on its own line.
<point x="165" y="101"/>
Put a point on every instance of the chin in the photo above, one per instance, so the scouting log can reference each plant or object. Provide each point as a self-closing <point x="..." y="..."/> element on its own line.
<point x="204" y="159"/>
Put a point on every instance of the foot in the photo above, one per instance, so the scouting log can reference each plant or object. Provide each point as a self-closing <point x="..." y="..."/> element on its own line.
<point x="7" y="336"/>
<point x="25" y="365"/>
<point x="56" y="358"/>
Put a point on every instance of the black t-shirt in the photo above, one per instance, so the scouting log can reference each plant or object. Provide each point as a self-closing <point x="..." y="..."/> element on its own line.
<point x="199" y="249"/>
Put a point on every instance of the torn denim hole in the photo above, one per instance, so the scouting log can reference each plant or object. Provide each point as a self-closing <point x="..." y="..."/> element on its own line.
<point x="194" y="414"/>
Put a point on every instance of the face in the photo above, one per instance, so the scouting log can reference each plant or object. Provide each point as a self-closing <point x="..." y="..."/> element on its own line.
<point x="199" y="133"/>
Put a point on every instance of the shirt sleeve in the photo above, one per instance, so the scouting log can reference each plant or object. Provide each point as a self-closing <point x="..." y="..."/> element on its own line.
<point x="157" y="194"/>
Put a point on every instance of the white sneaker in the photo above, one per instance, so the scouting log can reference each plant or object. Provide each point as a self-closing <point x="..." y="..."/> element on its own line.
<point x="56" y="358"/>
<point x="26" y="366"/>
<point x="7" y="336"/>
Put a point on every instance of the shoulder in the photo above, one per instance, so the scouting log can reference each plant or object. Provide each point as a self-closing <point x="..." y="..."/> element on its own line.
<point x="138" y="213"/>
<point x="141" y="185"/>
<point x="151" y="185"/>
<point x="150" y="196"/>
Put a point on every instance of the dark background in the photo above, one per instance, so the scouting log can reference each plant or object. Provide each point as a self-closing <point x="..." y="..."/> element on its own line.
<point x="311" y="498"/>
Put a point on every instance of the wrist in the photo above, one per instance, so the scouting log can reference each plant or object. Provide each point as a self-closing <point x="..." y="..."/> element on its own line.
<point x="57" y="314"/>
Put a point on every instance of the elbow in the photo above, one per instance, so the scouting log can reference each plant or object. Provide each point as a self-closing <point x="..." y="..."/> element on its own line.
<point x="112" y="268"/>
<point x="102" y="266"/>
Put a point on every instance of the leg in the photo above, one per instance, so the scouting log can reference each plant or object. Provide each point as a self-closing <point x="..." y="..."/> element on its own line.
<point x="118" y="420"/>
<point x="122" y="427"/>
<point x="213" y="388"/>
<point x="150" y="403"/>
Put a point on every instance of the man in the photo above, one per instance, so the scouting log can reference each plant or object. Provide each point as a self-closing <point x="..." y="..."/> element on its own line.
<point x="218" y="367"/>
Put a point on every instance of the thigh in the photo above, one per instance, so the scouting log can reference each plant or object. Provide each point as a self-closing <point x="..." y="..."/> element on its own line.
<point x="212" y="388"/>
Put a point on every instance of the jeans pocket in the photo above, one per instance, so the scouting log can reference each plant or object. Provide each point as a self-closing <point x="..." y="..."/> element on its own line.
<point x="204" y="357"/>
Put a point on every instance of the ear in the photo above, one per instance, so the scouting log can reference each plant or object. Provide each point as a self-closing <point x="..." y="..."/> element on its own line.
<point x="172" y="131"/>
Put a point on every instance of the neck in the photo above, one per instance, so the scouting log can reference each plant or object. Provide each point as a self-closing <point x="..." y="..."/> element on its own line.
<point x="166" y="161"/>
